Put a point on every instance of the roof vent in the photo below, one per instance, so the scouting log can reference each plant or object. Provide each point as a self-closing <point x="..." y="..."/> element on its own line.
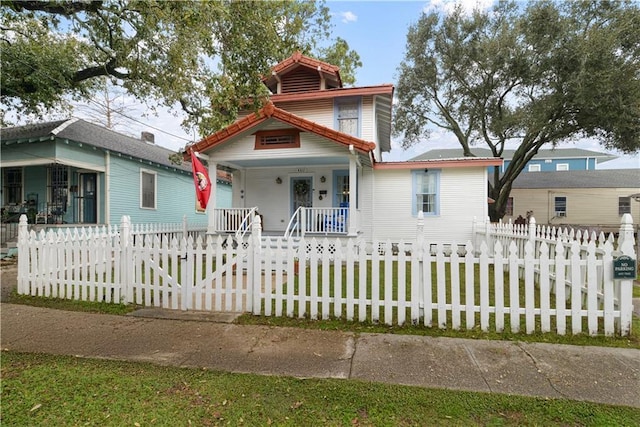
<point x="148" y="137"/>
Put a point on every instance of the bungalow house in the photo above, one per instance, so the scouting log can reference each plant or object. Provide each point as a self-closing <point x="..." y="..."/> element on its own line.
<point x="594" y="199"/>
<point x="75" y="172"/>
<point x="556" y="159"/>
<point x="310" y="163"/>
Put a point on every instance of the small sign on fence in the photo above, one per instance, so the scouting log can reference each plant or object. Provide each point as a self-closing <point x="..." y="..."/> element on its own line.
<point x="624" y="267"/>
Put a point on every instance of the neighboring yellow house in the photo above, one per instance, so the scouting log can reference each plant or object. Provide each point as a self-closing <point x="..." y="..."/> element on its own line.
<point x="594" y="199"/>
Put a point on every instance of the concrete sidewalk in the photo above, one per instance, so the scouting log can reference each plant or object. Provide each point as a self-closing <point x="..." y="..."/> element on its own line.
<point x="596" y="374"/>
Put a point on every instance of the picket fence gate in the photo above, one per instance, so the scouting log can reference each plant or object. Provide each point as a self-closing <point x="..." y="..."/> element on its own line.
<point x="566" y="287"/>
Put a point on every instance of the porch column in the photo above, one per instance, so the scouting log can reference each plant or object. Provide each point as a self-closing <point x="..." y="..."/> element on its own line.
<point x="211" y="206"/>
<point x="353" y="196"/>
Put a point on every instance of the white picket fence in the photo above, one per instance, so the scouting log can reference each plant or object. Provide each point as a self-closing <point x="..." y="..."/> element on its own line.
<point x="564" y="287"/>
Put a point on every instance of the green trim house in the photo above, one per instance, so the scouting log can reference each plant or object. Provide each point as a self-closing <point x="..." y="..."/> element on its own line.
<point x="75" y="172"/>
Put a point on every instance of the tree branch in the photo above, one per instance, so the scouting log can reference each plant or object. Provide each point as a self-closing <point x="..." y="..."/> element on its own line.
<point x="66" y="8"/>
<point x="109" y="69"/>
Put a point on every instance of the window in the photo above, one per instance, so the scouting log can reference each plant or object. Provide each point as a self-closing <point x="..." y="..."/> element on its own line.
<point x="561" y="206"/>
<point x="12" y="180"/>
<point x="281" y="138"/>
<point x="59" y="186"/>
<point x="347" y="112"/>
<point x="426" y="192"/>
<point x="534" y="168"/>
<point x="624" y="205"/>
<point x="562" y="167"/>
<point x="509" y="208"/>
<point x="147" y="189"/>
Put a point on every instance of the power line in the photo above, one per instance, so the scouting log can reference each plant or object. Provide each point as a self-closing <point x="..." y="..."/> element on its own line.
<point x="91" y="100"/>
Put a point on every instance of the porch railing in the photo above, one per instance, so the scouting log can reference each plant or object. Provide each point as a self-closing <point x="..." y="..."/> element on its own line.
<point x="230" y="220"/>
<point x="318" y="221"/>
<point x="246" y="224"/>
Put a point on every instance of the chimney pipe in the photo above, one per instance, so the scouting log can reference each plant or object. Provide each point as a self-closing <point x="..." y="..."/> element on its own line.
<point x="148" y="137"/>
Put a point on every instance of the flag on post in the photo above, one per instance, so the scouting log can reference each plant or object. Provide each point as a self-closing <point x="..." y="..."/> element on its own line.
<point x="202" y="182"/>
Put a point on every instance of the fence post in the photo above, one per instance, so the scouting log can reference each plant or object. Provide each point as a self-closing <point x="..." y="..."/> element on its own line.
<point x="420" y="257"/>
<point x="23" y="249"/>
<point x="125" y="259"/>
<point x="256" y="274"/>
<point x="626" y="247"/>
<point x="532" y="231"/>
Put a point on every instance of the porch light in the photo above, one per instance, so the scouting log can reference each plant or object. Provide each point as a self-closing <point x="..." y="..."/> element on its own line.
<point x="278" y="180"/>
<point x="323" y="179"/>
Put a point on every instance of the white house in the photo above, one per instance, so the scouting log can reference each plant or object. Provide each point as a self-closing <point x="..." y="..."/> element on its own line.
<point x="310" y="163"/>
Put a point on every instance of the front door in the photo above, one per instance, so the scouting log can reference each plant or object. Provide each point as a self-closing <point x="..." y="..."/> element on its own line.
<point x="88" y="206"/>
<point x="301" y="192"/>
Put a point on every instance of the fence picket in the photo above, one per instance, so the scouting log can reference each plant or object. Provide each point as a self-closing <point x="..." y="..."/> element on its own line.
<point x="454" y="271"/>
<point x="326" y="281"/>
<point x="427" y="286"/>
<point x="576" y="288"/>
<point x="498" y="268"/>
<point x="545" y="292"/>
<point x="469" y="290"/>
<point x="375" y="282"/>
<point x="441" y="287"/>
<point x="350" y="303"/>
<point x="313" y="278"/>
<point x="484" y="285"/>
<point x="302" y="279"/>
<point x="592" y="288"/>
<point x="608" y="291"/>
<point x="387" y="261"/>
<point x="170" y="267"/>
<point x="362" y="282"/>
<point x="402" y="283"/>
<point x="514" y="288"/>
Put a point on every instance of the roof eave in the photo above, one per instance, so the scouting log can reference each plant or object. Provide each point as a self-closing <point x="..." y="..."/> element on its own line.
<point x="444" y="163"/>
<point x="271" y="111"/>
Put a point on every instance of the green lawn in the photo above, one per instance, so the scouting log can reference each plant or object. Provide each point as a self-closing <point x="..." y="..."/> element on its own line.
<point x="52" y="390"/>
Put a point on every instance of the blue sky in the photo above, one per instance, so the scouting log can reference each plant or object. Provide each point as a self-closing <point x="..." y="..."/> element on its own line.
<point x="377" y="31"/>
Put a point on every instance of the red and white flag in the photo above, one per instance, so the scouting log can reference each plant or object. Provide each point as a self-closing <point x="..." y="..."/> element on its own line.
<point x="202" y="182"/>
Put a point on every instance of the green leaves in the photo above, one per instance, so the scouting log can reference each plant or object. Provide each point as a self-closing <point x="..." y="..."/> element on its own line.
<point x="202" y="57"/>
<point x="538" y="75"/>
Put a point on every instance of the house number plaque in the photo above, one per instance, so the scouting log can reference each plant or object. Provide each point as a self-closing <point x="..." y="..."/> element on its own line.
<point x="624" y="267"/>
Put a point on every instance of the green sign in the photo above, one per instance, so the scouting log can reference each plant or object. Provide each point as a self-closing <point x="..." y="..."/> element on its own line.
<point x="624" y="267"/>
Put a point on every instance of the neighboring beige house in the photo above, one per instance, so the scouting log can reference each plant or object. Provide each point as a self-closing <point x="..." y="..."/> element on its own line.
<point x="594" y="199"/>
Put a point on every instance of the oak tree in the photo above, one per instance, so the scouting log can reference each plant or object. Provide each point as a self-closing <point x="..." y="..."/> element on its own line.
<point x="538" y="75"/>
<point x="198" y="57"/>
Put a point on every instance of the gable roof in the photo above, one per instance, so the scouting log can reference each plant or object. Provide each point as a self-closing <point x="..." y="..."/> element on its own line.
<point x="270" y="111"/>
<point x="297" y="60"/>
<point x="602" y="178"/>
<point x="556" y="153"/>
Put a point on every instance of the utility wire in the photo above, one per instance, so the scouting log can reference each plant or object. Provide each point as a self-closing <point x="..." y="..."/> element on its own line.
<point x="91" y="100"/>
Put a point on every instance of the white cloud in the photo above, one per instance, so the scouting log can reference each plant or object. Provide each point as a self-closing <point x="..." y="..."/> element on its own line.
<point x="447" y="6"/>
<point x="347" y="17"/>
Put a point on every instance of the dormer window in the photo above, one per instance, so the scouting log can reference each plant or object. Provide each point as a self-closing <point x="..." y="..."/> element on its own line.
<point x="280" y="138"/>
<point x="347" y="115"/>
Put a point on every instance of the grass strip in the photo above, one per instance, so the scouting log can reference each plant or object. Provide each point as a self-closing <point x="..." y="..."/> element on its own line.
<point x="41" y="389"/>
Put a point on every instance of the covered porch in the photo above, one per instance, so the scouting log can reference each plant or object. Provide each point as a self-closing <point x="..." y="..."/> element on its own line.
<point x="50" y="192"/>
<point x="291" y="200"/>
